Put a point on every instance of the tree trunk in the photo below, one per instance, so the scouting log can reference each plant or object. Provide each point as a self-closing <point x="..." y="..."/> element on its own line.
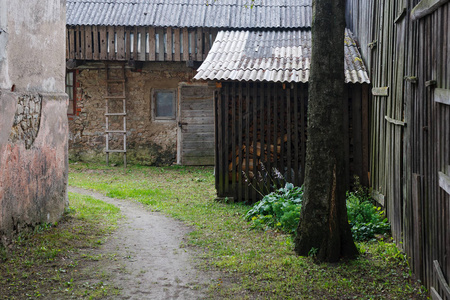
<point x="323" y="224"/>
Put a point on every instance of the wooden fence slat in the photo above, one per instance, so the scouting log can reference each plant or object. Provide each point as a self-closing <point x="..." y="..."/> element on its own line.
<point x="226" y="113"/>
<point x="96" y="44"/>
<point x="254" y="124"/>
<point x="120" y="35"/>
<point x="176" y="44"/>
<point x="247" y="137"/>
<point x="289" y="134"/>
<point x="152" y="44"/>
<point x="72" y="36"/>
<point x="142" y="34"/>
<point x="191" y="48"/>
<point x="169" y="44"/>
<point x="185" y="44"/>
<point x="88" y="42"/>
<point x="233" y="141"/>
<point x="240" y="121"/>
<point x="82" y="44"/>
<point x="103" y="55"/>
<point x="297" y="102"/>
<point x="199" y="45"/>
<point x="68" y="43"/>
<point x="111" y="43"/>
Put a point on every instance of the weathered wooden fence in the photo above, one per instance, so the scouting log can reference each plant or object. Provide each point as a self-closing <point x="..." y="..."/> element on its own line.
<point x="138" y="43"/>
<point x="406" y="46"/>
<point x="261" y="126"/>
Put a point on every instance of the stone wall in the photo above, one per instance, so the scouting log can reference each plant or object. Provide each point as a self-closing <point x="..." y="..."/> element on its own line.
<point x="149" y="142"/>
<point x="33" y="120"/>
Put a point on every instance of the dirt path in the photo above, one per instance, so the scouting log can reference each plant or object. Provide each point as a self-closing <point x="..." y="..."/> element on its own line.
<point x="151" y="260"/>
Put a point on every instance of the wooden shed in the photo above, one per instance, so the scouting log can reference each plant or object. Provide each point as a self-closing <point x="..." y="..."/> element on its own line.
<point x="406" y="45"/>
<point x="261" y="108"/>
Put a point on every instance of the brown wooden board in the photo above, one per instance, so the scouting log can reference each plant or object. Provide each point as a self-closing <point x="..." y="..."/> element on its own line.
<point x="194" y="122"/>
<point x="169" y="44"/>
<point x="176" y="44"/>
<point x="120" y="31"/>
<point x="152" y="44"/>
<point x="185" y="44"/>
<point x="103" y="43"/>
<point x="111" y="42"/>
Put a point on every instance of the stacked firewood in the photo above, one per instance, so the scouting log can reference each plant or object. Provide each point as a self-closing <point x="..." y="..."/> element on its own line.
<point x="263" y="154"/>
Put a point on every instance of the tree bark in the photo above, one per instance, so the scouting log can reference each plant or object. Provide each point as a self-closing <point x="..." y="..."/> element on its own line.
<point x="323" y="222"/>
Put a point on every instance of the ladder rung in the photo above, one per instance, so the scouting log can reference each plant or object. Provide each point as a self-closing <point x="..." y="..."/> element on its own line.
<point x="115" y="114"/>
<point x="116" y="151"/>
<point x="116" y="131"/>
<point x="115" y="97"/>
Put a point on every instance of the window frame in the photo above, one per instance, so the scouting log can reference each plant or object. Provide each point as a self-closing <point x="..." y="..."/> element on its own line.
<point x="174" y="105"/>
<point x="74" y="91"/>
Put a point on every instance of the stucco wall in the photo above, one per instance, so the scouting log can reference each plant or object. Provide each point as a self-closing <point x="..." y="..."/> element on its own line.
<point x="33" y="121"/>
<point x="149" y="142"/>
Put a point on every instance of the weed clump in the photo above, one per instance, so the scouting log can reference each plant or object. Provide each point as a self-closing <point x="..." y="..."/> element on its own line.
<point x="281" y="210"/>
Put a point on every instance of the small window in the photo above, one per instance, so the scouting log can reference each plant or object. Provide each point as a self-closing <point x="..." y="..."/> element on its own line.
<point x="71" y="91"/>
<point x="164" y="105"/>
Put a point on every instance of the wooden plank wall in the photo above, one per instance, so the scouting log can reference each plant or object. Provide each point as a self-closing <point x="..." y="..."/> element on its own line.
<point x="261" y="126"/>
<point x="409" y="59"/>
<point x="138" y="43"/>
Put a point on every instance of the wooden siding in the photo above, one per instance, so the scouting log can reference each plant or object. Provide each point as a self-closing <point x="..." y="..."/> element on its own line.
<point x="263" y="126"/>
<point x="410" y="125"/>
<point x="138" y="43"/>
<point x="196" y="125"/>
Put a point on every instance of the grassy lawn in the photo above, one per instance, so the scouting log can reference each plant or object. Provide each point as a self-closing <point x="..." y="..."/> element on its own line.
<point x="58" y="261"/>
<point x="251" y="263"/>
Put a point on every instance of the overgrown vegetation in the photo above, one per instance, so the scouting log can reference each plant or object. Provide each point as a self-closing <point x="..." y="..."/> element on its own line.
<point x="251" y="263"/>
<point x="53" y="261"/>
<point x="281" y="210"/>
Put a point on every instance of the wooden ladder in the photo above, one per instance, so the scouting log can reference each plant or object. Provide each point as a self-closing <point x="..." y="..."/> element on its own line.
<point x="112" y="98"/>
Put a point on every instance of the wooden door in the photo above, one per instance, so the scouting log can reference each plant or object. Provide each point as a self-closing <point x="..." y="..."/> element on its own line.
<point x="196" y="125"/>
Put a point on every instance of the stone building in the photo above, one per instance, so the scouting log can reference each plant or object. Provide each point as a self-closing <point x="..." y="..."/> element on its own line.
<point x="33" y="121"/>
<point x="145" y="53"/>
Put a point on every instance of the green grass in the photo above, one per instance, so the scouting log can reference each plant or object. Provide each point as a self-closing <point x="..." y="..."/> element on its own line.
<point x="251" y="263"/>
<point x="51" y="261"/>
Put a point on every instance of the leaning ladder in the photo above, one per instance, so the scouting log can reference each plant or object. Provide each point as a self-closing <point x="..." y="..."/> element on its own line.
<point x="111" y="99"/>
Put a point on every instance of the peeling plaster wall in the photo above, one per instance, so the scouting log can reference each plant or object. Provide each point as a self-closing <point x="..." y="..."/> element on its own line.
<point x="149" y="142"/>
<point x="33" y="120"/>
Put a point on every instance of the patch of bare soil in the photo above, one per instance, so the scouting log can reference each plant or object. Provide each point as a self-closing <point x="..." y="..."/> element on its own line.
<point x="150" y="260"/>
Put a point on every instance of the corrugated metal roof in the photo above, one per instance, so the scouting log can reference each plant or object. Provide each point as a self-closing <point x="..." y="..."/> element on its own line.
<point x="282" y="56"/>
<point x="231" y="14"/>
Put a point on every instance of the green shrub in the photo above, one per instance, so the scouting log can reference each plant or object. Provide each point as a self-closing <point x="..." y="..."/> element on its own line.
<point x="281" y="210"/>
<point x="364" y="217"/>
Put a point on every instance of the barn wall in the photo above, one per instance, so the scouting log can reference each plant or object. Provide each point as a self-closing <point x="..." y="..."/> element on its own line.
<point x="261" y="126"/>
<point x="406" y="44"/>
<point x="33" y="121"/>
<point x="149" y="142"/>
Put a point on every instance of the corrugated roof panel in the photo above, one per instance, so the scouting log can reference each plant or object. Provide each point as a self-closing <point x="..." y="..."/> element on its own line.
<point x="190" y="13"/>
<point x="271" y="56"/>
